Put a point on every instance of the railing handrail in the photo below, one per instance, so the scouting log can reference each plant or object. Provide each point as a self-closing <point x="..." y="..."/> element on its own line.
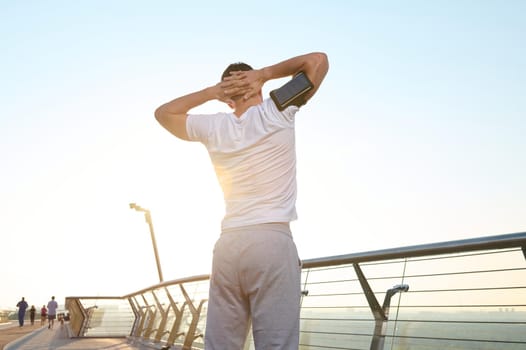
<point x="155" y="286"/>
<point x="511" y="240"/>
<point x="170" y="283"/>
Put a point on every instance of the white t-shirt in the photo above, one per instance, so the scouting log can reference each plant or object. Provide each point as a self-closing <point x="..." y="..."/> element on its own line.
<point x="254" y="158"/>
<point x="52" y="307"/>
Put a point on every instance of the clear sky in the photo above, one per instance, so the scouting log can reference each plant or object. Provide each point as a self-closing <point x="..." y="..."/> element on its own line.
<point x="417" y="134"/>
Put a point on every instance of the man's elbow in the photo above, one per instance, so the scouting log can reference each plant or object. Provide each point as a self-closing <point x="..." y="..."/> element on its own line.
<point x="159" y="115"/>
<point x="321" y="57"/>
<point x="163" y="117"/>
<point x="322" y="61"/>
<point x="316" y="70"/>
<point x="174" y="123"/>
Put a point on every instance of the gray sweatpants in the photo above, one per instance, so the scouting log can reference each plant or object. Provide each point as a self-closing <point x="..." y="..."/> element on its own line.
<point x="255" y="277"/>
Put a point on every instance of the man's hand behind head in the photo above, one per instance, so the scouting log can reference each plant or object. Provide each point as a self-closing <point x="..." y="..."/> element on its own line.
<point x="249" y="83"/>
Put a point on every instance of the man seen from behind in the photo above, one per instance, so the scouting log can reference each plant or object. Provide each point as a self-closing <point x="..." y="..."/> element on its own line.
<point x="256" y="270"/>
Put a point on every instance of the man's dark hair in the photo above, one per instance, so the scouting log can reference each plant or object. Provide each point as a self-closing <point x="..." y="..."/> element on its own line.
<point x="235" y="67"/>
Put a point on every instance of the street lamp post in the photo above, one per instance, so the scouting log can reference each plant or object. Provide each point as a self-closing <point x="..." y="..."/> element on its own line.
<point x="148" y="218"/>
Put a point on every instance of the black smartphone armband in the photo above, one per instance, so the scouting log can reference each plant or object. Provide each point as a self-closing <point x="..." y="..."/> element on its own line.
<point x="293" y="92"/>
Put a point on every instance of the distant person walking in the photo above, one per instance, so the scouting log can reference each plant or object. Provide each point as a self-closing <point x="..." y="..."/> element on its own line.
<point x="43" y="315"/>
<point x="22" y="306"/>
<point x="32" y="312"/>
<point x="52" y="307"/>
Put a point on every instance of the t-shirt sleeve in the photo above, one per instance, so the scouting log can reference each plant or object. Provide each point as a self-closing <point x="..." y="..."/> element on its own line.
<point x="287" y="114"/>
<point x="198" y="127"/>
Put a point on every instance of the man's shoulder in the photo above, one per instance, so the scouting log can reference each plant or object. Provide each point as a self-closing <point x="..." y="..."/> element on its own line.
<point x="269" y="111"/>
<point x="200" y="121"/>
<point x="207" y="116"/>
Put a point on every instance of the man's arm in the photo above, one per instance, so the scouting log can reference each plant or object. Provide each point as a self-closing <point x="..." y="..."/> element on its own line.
<point x="315" y="65"/>
<point x="172" y="115"/>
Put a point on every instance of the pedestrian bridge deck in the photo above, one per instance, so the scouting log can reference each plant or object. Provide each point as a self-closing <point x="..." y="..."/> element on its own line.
<point x="42" y="338"/>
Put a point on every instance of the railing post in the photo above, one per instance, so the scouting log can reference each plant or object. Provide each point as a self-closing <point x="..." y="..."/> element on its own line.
<point x="164" y="318"/>
<point x="380" y="319"/>
<point x="195" y="311"/>
<point x="78" y="316"/>
<point x="174" y="333"/>
<point x="381" y="314"/>
<point x="139" y="328"/>
<point x="136" y="313"/>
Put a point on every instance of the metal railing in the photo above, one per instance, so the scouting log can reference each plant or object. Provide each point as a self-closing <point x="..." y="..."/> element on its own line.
<point x="465" y="294"/>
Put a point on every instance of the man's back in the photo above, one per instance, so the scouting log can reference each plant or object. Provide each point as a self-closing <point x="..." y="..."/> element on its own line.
<point x="255" y="163"/>
<point x="52" y="307"/>
<point x="22" y="305"/>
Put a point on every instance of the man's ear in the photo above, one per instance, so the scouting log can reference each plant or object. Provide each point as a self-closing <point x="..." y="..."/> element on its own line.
<point x="231" y="104"/>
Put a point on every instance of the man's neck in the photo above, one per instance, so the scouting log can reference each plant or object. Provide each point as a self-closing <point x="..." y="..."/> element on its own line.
<point x="242" y="106"/>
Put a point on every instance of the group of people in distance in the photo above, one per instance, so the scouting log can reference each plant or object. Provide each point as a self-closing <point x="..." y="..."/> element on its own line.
<point x="49" y="312"/>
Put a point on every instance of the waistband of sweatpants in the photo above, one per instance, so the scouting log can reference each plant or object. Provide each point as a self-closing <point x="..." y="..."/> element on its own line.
<point x="282" y="227"/>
